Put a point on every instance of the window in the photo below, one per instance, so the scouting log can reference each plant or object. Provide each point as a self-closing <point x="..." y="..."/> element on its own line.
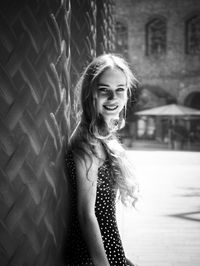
<point x="193" y="35"/>
<point x="121" y="38"/>
<point x="156" y="36"/>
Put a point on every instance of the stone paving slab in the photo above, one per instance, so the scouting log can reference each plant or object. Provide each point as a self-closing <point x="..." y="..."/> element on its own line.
<point x="165" y="230"/>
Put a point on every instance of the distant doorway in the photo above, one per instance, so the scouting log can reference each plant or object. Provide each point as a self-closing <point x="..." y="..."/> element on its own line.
<point x="193" y="100"/>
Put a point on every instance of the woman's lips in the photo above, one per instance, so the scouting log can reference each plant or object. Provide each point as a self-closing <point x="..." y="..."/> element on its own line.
<point x="110" y="107"/>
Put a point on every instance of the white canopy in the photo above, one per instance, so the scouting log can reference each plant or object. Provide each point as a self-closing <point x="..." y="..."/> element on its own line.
<point x="170" y="110"/>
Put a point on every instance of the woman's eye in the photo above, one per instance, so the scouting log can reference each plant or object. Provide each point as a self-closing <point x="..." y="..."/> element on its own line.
<point x="102" y="90"/>
<point x="121" y="89"/>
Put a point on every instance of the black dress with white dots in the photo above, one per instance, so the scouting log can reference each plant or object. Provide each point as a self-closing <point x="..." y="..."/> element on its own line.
<point x="105" y="210"/>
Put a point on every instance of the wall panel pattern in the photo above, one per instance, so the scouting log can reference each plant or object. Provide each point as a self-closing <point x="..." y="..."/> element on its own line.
<point x="83" y="35"/>
<point x="44" y="45"/>
<point x="105" y="26"/>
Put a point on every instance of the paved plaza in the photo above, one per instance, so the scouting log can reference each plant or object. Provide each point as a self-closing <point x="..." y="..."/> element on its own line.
<point x="165" y="230"/>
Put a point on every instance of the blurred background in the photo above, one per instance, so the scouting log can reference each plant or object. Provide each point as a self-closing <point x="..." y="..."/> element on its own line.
<point x="44" y="46"/>
<point x="161" y="41"/>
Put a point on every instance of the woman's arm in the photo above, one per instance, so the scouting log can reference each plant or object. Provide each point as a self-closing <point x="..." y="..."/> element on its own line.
<point x="87" y="186"/>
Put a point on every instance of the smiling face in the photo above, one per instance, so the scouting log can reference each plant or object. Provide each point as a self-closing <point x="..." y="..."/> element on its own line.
<point x="111" y="94"/>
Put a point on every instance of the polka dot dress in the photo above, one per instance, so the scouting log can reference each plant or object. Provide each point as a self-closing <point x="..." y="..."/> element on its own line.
<point x="105" y="212"/>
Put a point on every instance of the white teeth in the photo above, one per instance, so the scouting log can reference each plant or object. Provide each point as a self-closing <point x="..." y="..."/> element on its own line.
<point x="110" y="108"/>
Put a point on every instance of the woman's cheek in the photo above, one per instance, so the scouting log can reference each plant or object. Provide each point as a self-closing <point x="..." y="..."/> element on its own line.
<point x="124" y="99"/>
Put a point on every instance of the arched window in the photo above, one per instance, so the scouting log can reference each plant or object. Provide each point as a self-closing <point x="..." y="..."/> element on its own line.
<point x="156" y="36"/>
<point x="193" y="35"/>
<point x="121" y="38"/>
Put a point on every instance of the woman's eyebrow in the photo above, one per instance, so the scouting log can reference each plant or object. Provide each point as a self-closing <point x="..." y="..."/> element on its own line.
<point x="121" y="85"/>
<point x="105" y="85"/>
<point x="102" y="84"/>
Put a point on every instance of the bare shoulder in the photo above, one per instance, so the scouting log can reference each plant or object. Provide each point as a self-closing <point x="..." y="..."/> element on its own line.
<point x="86" y="166"/>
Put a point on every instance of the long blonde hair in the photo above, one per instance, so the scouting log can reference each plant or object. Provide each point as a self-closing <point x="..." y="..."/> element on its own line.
<point x="91" y="125"/>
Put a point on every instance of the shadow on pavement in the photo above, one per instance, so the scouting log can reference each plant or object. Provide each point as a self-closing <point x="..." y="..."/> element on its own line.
<point x="190" y="192"/>
<point x="187" y="216"/>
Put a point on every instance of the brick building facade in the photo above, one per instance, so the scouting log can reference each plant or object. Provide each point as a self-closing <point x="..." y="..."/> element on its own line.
<point x="161" y="39"/>
<point x="163" y="46"/>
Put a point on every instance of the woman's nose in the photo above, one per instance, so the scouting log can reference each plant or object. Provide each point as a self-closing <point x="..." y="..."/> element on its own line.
<point x="111" y="95"/>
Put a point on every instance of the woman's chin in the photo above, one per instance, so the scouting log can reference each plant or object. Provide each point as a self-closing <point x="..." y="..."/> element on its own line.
<point x="110" y="118"/>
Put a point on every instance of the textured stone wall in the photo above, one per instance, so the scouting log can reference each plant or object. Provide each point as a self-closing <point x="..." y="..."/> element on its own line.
<point x="44" y="46"/>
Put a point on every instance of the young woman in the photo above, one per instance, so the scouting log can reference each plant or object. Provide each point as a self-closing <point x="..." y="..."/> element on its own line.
<point x="96" y="164"/>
